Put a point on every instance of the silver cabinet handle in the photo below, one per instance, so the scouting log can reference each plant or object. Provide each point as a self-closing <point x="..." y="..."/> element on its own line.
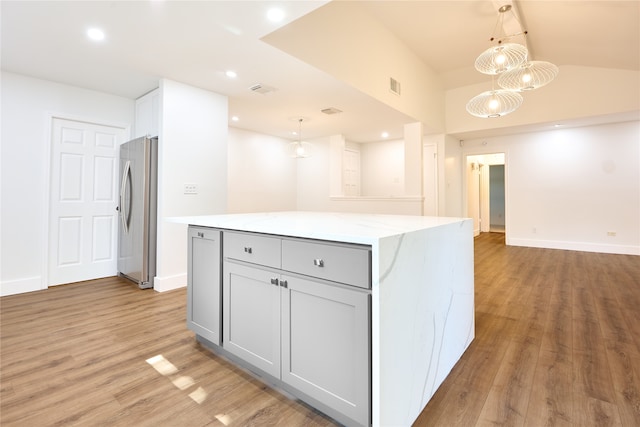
<point x="283" y="283"/>
<point x="318" y="262"/>
<point x="248" y="249"/>
<point x="200" y="234"/>
<point x="274" y="281"/>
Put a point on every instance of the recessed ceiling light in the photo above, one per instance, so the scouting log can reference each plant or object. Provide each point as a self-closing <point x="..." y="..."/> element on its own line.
<point x="95" y="34"/>
<point x="385" y="134"/>
<point x="275" y="15"/>
<point x="234" y="118"/>
<point x="231" y="74"/>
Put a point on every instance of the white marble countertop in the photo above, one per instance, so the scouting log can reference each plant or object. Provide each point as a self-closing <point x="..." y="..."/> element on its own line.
<point x="343" y="227"/>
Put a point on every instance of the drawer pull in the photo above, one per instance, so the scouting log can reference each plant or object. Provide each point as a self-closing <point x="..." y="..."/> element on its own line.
<point x="274" y="281"/>
<point x="283" y="283"/>
<point x="318" y="262"/>
<point x="200" y="234"/>
<point x="248" y="249"/>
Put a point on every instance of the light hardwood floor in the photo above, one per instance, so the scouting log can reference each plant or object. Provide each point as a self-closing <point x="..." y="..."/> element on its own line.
<point x="557" y="344"/>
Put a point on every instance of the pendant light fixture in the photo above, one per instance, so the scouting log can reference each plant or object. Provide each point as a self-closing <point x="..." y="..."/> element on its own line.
<point x="516" y="73"/>
<point x="528" y="76"/>
<point x="501" y="58"/>
<point x="300" y="149"/>
<point x="494" y="103"/>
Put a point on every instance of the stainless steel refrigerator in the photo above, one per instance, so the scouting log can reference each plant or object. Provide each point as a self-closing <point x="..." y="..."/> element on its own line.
<point x="138" y="211"/>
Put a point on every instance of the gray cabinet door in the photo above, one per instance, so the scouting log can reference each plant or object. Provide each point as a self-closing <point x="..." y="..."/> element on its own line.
<point x="203" y="283"/>
<point x="251" y="319"/>
<point x="325" y="344"/>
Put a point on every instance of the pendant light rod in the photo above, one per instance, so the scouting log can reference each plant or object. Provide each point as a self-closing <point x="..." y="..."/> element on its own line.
<point x="300" y="149"/>
<point x="510" y="23"/>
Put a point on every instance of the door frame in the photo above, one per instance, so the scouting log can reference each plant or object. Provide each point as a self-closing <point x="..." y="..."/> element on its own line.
<point x="483" y="151"/>
<point x="46" y="196"/>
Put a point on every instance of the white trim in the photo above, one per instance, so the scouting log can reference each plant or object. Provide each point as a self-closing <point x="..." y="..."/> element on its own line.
<point x="169" y="283"/>
<point x="384" y="199"/>
<point x="576" y="246"/>
<point x="46" y="199"/>
<point x="12" y="287"/>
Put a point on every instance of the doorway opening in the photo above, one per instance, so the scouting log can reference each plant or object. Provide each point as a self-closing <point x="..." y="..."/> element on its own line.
<point x="486" y="181"/>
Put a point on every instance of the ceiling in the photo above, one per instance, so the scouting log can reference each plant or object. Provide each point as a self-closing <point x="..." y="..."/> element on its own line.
<point x="196" y="42"/>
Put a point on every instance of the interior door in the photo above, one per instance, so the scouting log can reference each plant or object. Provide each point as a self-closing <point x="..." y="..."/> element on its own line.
<point x="351" y="173"/>
<point x="83" y="198"/>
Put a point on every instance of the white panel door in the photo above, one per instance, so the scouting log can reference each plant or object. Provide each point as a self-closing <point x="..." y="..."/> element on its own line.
<point x="351" y="173"/>
<point x="83" y="197"/>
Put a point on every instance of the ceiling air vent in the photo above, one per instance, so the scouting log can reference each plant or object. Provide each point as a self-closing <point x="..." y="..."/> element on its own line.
<point x="262" y="89"/>
<point x="331" y="110"/>
<point x="394" y="86"/>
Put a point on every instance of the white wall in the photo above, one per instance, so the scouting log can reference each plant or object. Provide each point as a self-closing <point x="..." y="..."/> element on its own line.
<point x="27" y="106"/>
<point x="568" y="188"/>
<point x="192" y="149"/>
<point x="382" y="168"/>
<point x="358" y="50"/>
<point x="313" y="192"/>
<point x="262" y="175"/>
<point x="312" y="185"/>
<point x="576" y="92"/>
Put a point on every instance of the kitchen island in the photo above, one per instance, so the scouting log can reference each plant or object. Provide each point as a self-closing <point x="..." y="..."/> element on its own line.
<point x="362" y="316"/>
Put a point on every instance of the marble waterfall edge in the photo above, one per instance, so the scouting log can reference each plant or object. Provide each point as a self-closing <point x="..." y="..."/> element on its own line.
<point x="424" y="306"/>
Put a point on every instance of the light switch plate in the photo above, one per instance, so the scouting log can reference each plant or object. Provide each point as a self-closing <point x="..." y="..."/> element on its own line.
<point x="190" y="189"/>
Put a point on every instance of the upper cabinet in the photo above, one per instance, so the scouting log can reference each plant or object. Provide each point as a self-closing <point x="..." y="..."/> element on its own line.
<point x="148" y="114"/>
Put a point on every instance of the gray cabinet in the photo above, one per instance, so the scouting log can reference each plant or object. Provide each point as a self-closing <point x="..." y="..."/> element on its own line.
<point x="251" y="316"/>
<point x="295" y="309"/>
<point x="300" y="311"/>
<point x="340" y="263"/>
<point x="325" y="344"/>
<point x="203" y="283"/>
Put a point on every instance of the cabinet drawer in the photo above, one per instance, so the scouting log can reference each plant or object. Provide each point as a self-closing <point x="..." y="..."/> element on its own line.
<point x="345" y="264"/>
<point x="252" y="248"/>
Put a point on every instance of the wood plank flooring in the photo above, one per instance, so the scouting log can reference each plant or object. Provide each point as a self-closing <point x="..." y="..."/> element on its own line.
<point x="557" y="344"/>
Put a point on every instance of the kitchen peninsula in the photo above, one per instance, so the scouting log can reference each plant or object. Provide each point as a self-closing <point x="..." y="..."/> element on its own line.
<point x="360" y="315"/>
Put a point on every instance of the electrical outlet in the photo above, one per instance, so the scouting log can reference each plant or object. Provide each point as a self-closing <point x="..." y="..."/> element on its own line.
<point x="190" y="189"/>
<point x="611" y="233"/>
<point x="534" y="230"/>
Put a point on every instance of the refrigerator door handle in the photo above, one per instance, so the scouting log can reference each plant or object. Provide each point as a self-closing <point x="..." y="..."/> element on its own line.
<point x="125" y="211"/>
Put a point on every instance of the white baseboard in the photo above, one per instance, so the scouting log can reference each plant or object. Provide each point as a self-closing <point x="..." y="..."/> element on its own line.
<point x="20" y="286"/>
<point x="575" y="246"/>
<point x="169" y="283"/>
